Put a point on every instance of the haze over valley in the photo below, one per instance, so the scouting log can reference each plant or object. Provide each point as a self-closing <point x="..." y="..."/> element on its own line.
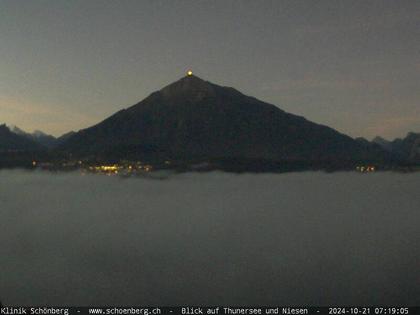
<point x="215" y="238"/>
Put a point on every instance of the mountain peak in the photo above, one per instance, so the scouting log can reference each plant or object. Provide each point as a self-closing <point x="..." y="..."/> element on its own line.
<point x="192" y="119"/>
<point x="188" y="82"/>
<point x="194" y="89"/>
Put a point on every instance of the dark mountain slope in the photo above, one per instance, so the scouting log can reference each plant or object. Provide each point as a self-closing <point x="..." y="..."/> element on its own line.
<point x="406" y="149"/>
<point x="10" y="141"/>
<point x="38" y="136"/>
<point x="192" y="119"/>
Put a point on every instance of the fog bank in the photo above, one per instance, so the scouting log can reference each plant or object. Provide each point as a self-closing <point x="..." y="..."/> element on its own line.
<point x="215" y="238"/>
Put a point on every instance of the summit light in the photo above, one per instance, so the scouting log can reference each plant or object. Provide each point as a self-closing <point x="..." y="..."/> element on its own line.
<point x="189" y="73"/>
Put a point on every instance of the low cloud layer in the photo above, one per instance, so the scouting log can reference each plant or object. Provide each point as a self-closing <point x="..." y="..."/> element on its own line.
<point x="304" y="239"/>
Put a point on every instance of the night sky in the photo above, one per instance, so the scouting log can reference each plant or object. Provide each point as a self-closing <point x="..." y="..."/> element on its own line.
<point x="352" y="65"/>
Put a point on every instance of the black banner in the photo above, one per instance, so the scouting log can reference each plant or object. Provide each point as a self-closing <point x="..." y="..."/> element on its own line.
<point x="223" y="310"/>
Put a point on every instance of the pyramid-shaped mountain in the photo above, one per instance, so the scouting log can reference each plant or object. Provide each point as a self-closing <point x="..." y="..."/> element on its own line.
<point x="192" y="120"/>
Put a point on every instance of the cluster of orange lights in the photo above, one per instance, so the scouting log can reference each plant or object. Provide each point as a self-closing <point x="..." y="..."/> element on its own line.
<point x="365" y="169"/>
<point x="120" y="169"/>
